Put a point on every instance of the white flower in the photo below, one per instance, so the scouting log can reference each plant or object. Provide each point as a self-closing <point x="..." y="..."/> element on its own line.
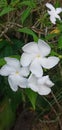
<point x="40" y="85"/>
<point x="34" y="57"/>
<point x="54" y="13"/>
<point x="16" y="74"/>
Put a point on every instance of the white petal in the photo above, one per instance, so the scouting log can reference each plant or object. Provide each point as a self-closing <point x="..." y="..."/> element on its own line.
<point x="26" y="59"/>
<point x="44" y="48"/>
<point x="32" y="83"/>
<point x="53" y="19"/>
<point x="58" y="10"/>
<point x="24" y="71"/>
<point x="16" y="80"/>
<point x="42" y="79"/>
<point x="45" y="80"/>
<point x="49" y="12"/>
<point x="41" y="85"/>
<point x="12" y="62"/>
<point x="58" y="17"/>
<point x="50" y="6"/>
<point x="6" y="70"/>
<point x="36" y="68"/>
<point x="49" y="62"/>
<point x="44" y="90"/>
<point x="31" y="47"/>
<point x="23" y="83"/>
<point x="49" y="83"/>
<point x="12" y="83"/>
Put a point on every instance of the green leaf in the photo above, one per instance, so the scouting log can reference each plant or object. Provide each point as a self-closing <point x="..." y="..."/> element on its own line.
<point x="60" y="42"/>
<point x="32" y="97"/>
<point x="28" y="3"/>
<point x="53" y="53"/>
<point x="25" y="14"/>
<point x="50" y="36"/>
<point x="6" y="10"/>
<point x="2" y="61"/>
<point x="5" y="119"/>
<point x="59" y="26"/>
<point x="30" y="32"/>
<point x="3" y="3"/>
<point x="8" y="49"/>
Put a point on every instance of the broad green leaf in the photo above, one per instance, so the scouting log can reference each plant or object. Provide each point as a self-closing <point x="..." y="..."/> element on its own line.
<point x="5" y="119"/>
<point x="30" y="32"/>
<point x="6" y="10"/>
<point x="60" y="42"/>
<point x="32" y="96"/>
<point x="25" y="14"/>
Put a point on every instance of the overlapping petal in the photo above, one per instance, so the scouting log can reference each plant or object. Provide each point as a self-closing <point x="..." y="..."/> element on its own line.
<point x="26" y="59"/>
<point x="32" y="83"/>
<point x="24" y="71"/>
<point x="30" y="47"/>
<point x="45" y="80"/>
<point x="23" y="82"/>
<point x="36" y="68"/>
<point x="40" y="85"/>
<point x="13" y="82"/>
<point x="44" y="90"/>
<point x="16" y="81"/>
<point x="44" y="48"/>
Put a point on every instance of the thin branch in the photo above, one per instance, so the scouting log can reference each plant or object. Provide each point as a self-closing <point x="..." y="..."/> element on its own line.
<point x="59" y="106"/>
<point x="59" y="121"/>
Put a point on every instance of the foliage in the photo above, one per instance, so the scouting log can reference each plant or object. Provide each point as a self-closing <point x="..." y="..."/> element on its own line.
<point x="22" y="21"/>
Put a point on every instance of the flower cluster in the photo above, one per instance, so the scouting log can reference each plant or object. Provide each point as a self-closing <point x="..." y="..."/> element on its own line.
<point x="15" y="72"/>
<point x="28" y="72"/>
<point x="54" y="13"/>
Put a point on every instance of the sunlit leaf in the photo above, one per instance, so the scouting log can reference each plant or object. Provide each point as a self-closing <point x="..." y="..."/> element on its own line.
<point x="25" y="14"/>
<point x="30" y="32"/>
<point x="6" y="10"/>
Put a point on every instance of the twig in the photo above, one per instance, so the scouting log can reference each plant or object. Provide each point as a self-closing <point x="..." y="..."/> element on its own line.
<point x="59" y="121"/>
<point x="8" y="39"/>
<point x="59" y="106"/>
<point x="60" y="69"/>
<point x="8" y="26"/>
<point x="6" y="29"/>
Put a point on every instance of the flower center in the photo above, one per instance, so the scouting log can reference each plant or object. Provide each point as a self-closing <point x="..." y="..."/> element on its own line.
<point x="38" y="56"/>
<point x="17" y="72"/>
